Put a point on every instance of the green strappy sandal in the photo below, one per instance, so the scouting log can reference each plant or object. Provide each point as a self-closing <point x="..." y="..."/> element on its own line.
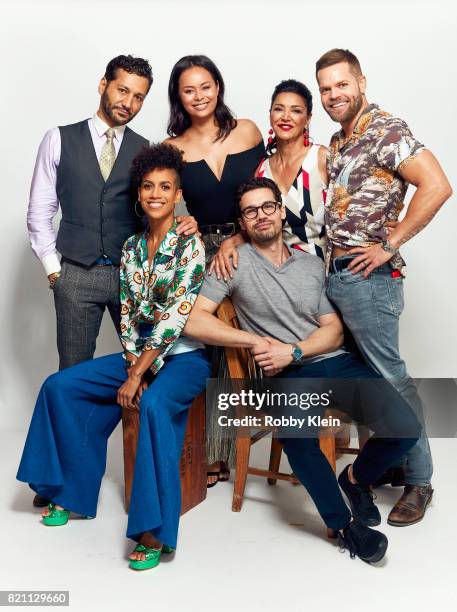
<point x="56" y="518"/>
<point x="152" y="557"/>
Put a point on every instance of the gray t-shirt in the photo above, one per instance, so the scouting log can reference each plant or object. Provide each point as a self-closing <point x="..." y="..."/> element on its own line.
<point x="284" y="303"/>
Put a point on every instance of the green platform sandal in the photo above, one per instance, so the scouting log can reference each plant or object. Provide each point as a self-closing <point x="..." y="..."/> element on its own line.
<point x="152" y="557"/>
<point x="57" y="518"/>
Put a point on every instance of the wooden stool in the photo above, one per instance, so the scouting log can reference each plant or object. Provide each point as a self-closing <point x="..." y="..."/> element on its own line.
<point x="193" y="457"/>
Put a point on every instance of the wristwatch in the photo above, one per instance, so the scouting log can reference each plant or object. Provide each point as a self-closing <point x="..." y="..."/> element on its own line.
<point x="52" y="281"/>
<point x="297" y="353"/>
<point x="388" y="247"/>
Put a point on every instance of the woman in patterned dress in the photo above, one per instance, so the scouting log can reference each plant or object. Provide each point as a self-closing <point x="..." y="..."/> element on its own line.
<point x="159" y="374"/>
<point x="298" y="167"/>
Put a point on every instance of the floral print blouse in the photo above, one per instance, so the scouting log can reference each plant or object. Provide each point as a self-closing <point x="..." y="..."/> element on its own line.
<point x="156" y="300"/>
<point x="366" y="188"/>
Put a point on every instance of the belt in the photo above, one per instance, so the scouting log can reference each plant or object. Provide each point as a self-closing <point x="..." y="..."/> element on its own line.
<point x="218" y="228"/>
<point x="342" y="262"/>
<point x="103" y="261"/>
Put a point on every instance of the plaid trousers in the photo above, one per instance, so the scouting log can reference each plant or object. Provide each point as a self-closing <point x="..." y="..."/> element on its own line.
<point x="80" y="298"/>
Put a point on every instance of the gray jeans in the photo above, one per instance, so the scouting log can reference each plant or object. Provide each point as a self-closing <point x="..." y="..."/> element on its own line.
<point x="80" y="298"/>
<point x="371" y="309"/>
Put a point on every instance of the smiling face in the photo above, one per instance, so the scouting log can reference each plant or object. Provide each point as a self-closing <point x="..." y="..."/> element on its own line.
<point x="342" y="92"/>
<point x="122" y="98"/>
<point x="289" y="116"/>
<point x="264" y="228"/>
<point x="158" y="194"/>
<point x="198" y="92"/>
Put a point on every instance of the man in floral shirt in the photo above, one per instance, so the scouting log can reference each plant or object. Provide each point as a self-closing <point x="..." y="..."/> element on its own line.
<point x="371" y="161"/>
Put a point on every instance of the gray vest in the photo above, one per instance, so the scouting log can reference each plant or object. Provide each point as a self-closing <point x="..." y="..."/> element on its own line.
<point x="97" y="217"/>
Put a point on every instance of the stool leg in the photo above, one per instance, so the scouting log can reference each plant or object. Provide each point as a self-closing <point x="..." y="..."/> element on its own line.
<point x="275" y="458"/>
<point x="243" y="449"/>
<point x="130" y="427"/>
<point x="327" y="446"/>
<point x="343" y="439"/>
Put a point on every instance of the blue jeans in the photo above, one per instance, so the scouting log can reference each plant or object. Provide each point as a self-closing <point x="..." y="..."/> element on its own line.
<point x="371" y="309"/>
<point x="76" y="411"/>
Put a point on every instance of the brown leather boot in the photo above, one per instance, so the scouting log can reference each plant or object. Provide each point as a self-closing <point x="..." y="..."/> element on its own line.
<point x="411" y="506"/>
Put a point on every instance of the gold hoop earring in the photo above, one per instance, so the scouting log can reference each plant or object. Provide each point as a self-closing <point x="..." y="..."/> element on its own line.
<point x="136" y="211"/>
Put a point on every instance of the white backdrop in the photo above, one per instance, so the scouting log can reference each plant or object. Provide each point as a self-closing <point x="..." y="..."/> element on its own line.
<point x="54" y="54"/>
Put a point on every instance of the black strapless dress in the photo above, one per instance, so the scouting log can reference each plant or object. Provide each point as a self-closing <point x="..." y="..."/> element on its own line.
<point x="210" y="200"/>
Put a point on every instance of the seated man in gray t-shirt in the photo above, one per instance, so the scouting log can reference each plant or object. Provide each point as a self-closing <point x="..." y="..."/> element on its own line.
<point x="292" y="330"/>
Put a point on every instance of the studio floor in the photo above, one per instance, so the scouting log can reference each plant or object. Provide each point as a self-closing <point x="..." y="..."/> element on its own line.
<point x="273" y="555"/>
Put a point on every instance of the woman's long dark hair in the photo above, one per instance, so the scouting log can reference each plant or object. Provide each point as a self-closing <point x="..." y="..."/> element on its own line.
<point x="290" y="86"/>
<point x="179" y="120"/>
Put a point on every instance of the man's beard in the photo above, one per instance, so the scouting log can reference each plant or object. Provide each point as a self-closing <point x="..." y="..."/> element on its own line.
<point x="266" y="236"/>
<point x="108" y="110"/>
<point x="355" y="104"/>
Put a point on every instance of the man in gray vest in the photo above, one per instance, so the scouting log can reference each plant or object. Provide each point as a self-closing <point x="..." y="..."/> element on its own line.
<point x="85" y="167"/>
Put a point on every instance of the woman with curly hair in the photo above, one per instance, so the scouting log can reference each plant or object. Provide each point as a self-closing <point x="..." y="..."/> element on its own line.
<point x="158" y="373"/>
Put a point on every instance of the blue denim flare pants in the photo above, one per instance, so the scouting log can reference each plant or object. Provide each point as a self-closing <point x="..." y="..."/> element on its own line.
<point x="76" y="411"/>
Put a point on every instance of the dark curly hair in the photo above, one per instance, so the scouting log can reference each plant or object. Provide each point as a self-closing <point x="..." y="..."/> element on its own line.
<point x="258" y="182"/>
<point x="179" y="120"/>
<point x="290" y="86"/>
<point x="131" y="64"/>
<point x="151" y="157"/>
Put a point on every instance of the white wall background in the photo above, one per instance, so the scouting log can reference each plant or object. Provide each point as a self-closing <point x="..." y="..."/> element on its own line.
<point x="54" y="54"/>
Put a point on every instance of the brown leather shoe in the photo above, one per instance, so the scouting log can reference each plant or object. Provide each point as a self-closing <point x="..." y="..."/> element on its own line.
<point x="40" y="502"/>
<point x="411" y="506"/>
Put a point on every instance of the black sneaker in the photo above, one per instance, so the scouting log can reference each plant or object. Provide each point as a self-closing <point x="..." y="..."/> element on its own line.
<point x="360" y="499"/>
<point x="368" y="544"/>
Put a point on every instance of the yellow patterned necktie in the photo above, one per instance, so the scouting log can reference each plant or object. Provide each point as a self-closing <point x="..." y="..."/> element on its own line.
<point x="108" y="154"/>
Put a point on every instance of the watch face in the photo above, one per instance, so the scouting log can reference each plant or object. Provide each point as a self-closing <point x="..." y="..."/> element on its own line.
<point x="297" y="353"/>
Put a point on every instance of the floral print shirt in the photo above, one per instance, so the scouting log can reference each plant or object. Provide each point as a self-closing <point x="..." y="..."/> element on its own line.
<point x="365" y="187"/>
<point x="156" y="300"/>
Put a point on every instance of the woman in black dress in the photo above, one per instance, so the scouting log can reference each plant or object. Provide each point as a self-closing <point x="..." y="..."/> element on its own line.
<point x="221" y="152"/>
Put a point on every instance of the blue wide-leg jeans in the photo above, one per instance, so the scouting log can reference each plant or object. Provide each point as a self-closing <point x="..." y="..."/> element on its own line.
<point x="371" y="308"/>
<point x="76" y="411"/>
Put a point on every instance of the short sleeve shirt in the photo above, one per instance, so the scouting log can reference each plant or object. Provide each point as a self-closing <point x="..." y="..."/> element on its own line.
<point x="366" y="188"/>
<point x="283" y="302"/>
